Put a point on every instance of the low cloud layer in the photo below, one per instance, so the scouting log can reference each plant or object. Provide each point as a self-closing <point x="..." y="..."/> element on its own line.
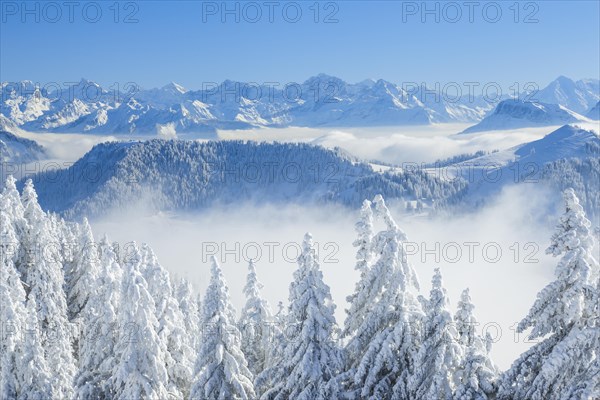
<point x="497" y="252"/>
<point x="399" y="145"/>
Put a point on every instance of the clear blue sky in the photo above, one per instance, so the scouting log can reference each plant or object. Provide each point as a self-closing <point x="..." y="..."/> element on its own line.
<point x="171" y="42"/>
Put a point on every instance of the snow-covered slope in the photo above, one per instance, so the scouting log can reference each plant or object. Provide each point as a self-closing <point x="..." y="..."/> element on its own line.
<point x="18" y="150"/>
<point x="190" y="175"/>
<point x="513" y="114"/>
<point x="15" y="149"/>
<point x="567" y="157"/>
<point x="594" y="113"/>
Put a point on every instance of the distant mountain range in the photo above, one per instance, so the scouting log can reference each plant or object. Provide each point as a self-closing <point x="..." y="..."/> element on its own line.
<point x="322" y="100"/>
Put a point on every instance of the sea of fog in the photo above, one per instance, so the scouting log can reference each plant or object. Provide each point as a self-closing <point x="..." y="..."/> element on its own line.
<point x="497" y="252"/>
<point x="388" y="144"/>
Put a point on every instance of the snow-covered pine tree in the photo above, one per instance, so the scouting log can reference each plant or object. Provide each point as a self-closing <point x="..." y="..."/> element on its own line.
<point x="586" y="386"/>
<point x="83" y="272"/>
<point x="140" y="372"/>
<point x="14" y="210"/>
<point x="11" y="194"/>
<point x="364" y="254"/>
<point x="12" y="309"/>
<point x="587" y="383"/>
<point x="566" y="309"/>
<point x="255" y="324"/>
<point x="466" y="323"/>
<point x="477" y="373"/>
<point x="389" y="359"/>
<point x="34" y="219"/>
<point x="67" y="234"/>
<point x="97" y="360"/>
<point x="385" y="318"/>
<point x="364" y="229"/>
<point x="200" y="312"/>
<point x="440" y="353"/>
<point x="188" y="305"/>
<point x="276" y="349"/>
<point x="36" y="378"/>
<point x="383" y="212"/>
<point x="58" y="228"/>
<point x="170" y="331"/>
<point x="46" y="281"/>
<point x="221" y="370"/>
<point x="562" y="303"/>
<point x="311" y="358"/>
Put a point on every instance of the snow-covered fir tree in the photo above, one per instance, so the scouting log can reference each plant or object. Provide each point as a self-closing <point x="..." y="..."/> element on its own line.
<point x="364" y="255"/>
<point x="177" y="353"/>
<point x="586" y="385"/>
<point x="140" y="372"/>
<point x="34" y="221"/>
<point x="83" y="272"/>
<point x="312" y="357"/>
<point x="45" y="280"/>
<point x="440" y="353"/>
<point x="221" y="370"/>
<point x="276" y="349"/>
<point x="12" y="309"/>
<point x="99" y="321"/>
<point x="36" y="378"/>
<point x="188" y="304"/>
<point x="476" y="373"/>
<point x="364" y="229"/>
<point x="15" y="213"/>
<point x="567" y="310"/>
<point x="384" y="317"/>
<point x="67" y="236"/>
<point x="255" y="324"/>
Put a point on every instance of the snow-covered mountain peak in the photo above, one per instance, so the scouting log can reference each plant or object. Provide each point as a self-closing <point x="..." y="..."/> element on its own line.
<point x="367" y="83"/>
<point x="514" y="114"/>
<point x="565" y="142"/>
<point x="568" y="141"/>
<point x="87" y="82"/>
<point x="578" y="96"/>
<point x="563" y="82"/>
<point x="7" y="125"/>
<point x="323" y="76"/>
<point x="174" y="88"/>
<point x="322" y="100"/>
